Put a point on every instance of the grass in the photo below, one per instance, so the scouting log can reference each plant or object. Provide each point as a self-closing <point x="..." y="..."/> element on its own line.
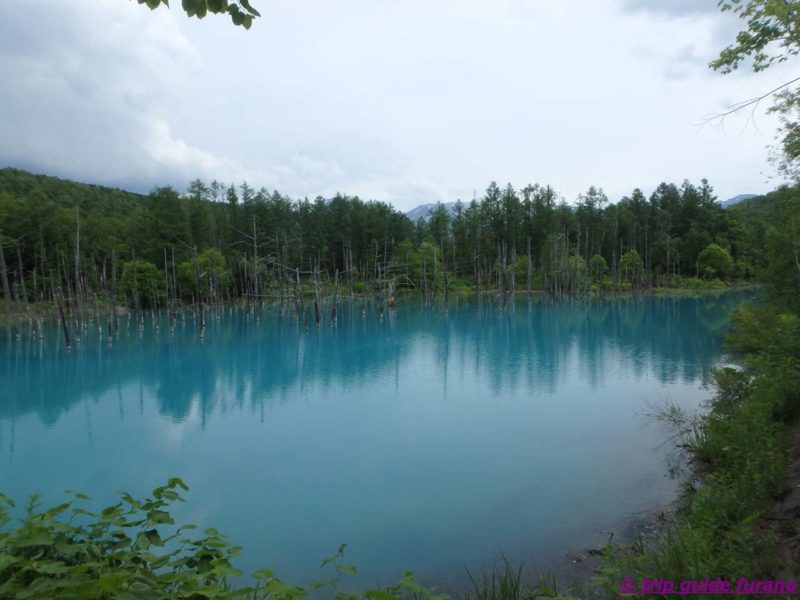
<point x="505" y="582"/>
<point x="739" y="453"/>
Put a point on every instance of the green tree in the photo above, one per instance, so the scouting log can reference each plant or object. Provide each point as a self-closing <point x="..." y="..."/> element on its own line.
<point x="240" y="11"/>
<point x="598" y="268"/>
<point x="141" y="282"/>
<point x="714" y="261"/>
<point x="782" y="251"/>
<point x="215" y="278"/>
<point x="631" y="267"/>
<point x="771" y="36"/>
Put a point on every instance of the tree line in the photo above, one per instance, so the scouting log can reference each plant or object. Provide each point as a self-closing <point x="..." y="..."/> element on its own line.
<point x="221" y="242"/>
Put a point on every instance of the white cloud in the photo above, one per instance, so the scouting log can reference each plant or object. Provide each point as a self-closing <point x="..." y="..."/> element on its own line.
<point x="679" y="8"/>
<point x="407" y="102"/>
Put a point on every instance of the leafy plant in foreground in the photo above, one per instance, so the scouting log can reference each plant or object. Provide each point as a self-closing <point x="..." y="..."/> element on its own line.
<point x="134" y="549"/>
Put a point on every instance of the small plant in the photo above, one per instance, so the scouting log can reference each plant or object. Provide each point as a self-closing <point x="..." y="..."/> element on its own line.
<point x="506" y="583"/>
<point x="502" y="584"/>
<point x="133" y="549"/>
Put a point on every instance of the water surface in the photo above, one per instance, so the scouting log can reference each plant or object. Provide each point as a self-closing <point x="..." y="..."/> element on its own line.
<point x="425" y="439"/>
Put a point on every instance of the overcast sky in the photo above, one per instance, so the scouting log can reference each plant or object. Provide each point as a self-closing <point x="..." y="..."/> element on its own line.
<point x="407" y="101"/>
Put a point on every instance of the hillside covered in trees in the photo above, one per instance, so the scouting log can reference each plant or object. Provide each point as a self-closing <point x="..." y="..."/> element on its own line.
<point x="217" y="242"/>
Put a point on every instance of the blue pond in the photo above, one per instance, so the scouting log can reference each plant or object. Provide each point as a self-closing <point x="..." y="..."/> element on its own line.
<point x="425" y="439"/>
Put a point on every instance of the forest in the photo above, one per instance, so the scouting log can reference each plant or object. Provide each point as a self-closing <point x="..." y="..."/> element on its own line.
<point x="219" y="242"/>
<point x="734" y="522"/>
<point x="78" y="252"/>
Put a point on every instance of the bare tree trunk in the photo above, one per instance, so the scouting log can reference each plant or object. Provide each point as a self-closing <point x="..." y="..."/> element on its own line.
<point x="114" y="319"/>
<point x="256" y="284"/>
<point x="425" y="279"/>
<point x="513" y="267"/>
<point x="136" y="300"/>
<point x="24" y="290"/>
<point x="477" y="275"/>
<point x="170" y="294"/>
<point x="317" y="315"/>
<point x="529" y="282"/>
<point x="446" y="284"/>
<point x="201" y="325"/>
<point x="6" y="288"/>
<point x="78" y="264"/>
<point x="60" y="304"/>
<point x="335" y="296"/>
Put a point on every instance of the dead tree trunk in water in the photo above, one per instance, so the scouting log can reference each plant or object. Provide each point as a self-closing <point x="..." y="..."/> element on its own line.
<point x="60" y="304"/>
<point x="298" y="295"/>
<point x="528" y="282"/>
<point x="392" y="291"/>
<point x="114" y="319"/>
<point x="513" y="267"/>
<point x="476" y="259"/>
<point x="350" y="269"/>
<point x="446" y="287"/>
<point x="317" y="316"/>
<point x="201" y="325"/>
<point x="6" y="288"/>
<point x="256" y="283"/>
<point x="24" y="291"/>
<point x="78" y="265"/>
<point x="335" y="296"/>
<point x="136" y="299"/>
<point x="171" y="291"/>
<point x="425" y="279"/>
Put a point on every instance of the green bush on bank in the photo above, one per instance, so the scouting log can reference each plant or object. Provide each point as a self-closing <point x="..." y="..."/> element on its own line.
<point x="739" y="451"/>
<point x="740" y="446"/>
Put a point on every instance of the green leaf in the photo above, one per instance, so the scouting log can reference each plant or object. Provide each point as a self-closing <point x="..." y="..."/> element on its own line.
<point x="335" y="557"/>
<point x="347" y="569"/>
<point x="265" y="573"/>
<point x="6" y="560"/>
<point x="78" y="495"/>
<point x="379" y="595"/>
<point x="190" y="6"/>
<point x="160" y="516"/>
<point x="249" y="8"/>
<point x="225" y="569"/>
<point x="236" y="16"/>
<point x="147" y="538"/>
<point x="177" y="482"/>
<point x="52" y="567"/>
<point x="37" y="538"/>
<point x="409" y="584"/>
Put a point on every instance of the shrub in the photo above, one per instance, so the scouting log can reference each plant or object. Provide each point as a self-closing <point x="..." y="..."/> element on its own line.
<point x="715" y="261"/>
<point x="133" y="549"/>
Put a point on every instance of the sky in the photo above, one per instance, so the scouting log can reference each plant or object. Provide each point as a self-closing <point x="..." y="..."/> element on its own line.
<point x="406" y="102"/>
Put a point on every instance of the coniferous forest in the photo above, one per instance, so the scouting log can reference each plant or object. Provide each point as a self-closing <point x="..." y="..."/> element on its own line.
<point x="219" y="242"/>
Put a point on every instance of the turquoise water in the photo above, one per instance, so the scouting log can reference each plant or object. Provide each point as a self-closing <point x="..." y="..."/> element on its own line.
<point x="424" y="439"/>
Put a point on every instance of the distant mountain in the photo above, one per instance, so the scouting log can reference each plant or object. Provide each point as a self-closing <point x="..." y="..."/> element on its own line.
<point x="737" y="199"/>
<point x="423" y="210"/>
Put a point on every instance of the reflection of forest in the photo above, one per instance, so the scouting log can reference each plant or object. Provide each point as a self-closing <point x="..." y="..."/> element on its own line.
<point x="245" y="363"/>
